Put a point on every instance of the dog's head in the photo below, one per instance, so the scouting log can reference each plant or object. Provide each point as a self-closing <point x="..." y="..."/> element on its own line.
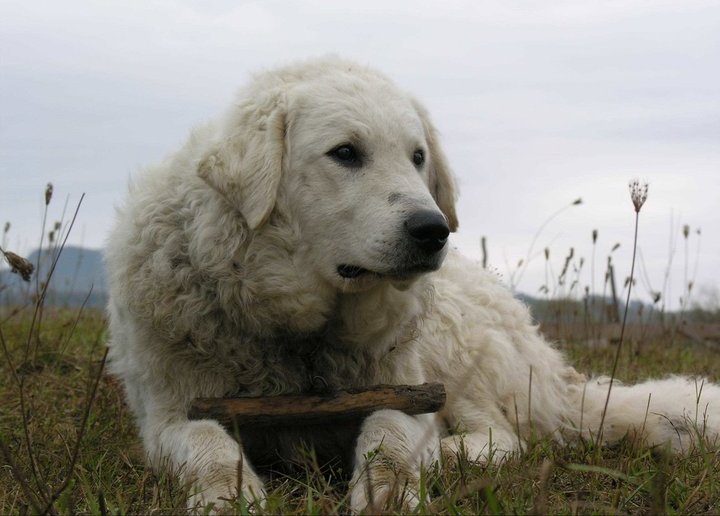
<point x="351" y="160"/>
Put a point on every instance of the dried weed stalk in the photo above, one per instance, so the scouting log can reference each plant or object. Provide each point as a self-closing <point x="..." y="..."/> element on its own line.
<point x="638" y="196"/>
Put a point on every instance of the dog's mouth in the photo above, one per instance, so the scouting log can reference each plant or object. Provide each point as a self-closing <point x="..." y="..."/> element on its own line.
<point x="352" y="272"/>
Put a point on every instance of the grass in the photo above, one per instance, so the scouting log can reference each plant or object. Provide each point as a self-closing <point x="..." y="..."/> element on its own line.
<point x="110" y="476"/>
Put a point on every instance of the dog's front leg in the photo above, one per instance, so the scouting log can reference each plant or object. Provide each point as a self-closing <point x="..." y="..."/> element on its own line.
<point x="205" y="456"/>
<point x="391" y="450"/>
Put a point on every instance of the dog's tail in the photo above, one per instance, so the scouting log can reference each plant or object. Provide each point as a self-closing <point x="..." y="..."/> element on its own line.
<point x="678" y="410"/>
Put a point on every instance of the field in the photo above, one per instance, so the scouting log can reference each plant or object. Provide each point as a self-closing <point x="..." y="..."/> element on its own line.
<point x="69" y="445"/>
<point x="67" y="398"/>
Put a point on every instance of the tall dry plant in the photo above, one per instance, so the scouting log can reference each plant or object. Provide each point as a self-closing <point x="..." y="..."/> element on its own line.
<point x="41" y="492"/>
<point x="48" y="197"/>
<point x="666" y="293"/>
<point x="638" y="195"/>
<point x="517" y="275"/>
<point x="688" y="279"/>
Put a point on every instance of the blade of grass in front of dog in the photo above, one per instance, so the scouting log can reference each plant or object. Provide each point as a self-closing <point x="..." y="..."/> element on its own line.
<point x="40" y="495"/>
<point x="80" y="435"/>
<point x="588" y="468"/>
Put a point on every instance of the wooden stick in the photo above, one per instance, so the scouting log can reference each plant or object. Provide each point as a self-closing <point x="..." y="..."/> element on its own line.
<point x="345" y="405"/>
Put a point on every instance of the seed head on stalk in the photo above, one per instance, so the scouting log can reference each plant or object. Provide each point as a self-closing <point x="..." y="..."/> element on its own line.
<point x="48" y="193"/>
<point x="19" y="265"/>
<point x="638" y="193"/>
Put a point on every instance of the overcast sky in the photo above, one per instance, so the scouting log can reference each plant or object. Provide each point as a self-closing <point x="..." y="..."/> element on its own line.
<point x="539" y="103"/>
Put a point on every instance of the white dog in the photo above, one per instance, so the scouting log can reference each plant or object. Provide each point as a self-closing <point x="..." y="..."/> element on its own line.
<point x="303" y="237"/>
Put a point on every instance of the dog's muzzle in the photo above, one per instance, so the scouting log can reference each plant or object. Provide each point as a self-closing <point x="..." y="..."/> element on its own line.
<point x="425" y="235"/>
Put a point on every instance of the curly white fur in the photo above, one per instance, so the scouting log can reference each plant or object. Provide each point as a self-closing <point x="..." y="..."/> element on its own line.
<point x="224" y="281"/>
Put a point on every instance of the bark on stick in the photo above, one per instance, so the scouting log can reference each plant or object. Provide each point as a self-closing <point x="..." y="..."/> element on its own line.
<point x="345" y="405"/>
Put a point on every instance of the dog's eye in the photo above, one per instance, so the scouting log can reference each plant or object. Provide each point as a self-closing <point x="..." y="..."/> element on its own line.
<point x="347" y="155"/>
<point x="418" y="157"/>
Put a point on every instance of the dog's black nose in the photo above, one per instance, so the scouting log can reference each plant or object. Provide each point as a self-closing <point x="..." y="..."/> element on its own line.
<point x="428" y="229"/>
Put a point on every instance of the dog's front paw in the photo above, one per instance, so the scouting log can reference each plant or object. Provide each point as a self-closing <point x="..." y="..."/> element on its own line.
<point x="376" y="491"/>
<point x="476" y="448"/>
<point x="381" y="498"/>
<point x="218" y="490"/>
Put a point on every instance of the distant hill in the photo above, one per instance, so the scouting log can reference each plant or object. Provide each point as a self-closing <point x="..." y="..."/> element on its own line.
<point x="598" y="308"/>
<point x="78" y="270"/>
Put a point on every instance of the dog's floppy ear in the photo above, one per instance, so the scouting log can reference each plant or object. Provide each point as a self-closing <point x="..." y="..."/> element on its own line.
<point x="245" y="167"/>
<point x="442" y="184"/>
